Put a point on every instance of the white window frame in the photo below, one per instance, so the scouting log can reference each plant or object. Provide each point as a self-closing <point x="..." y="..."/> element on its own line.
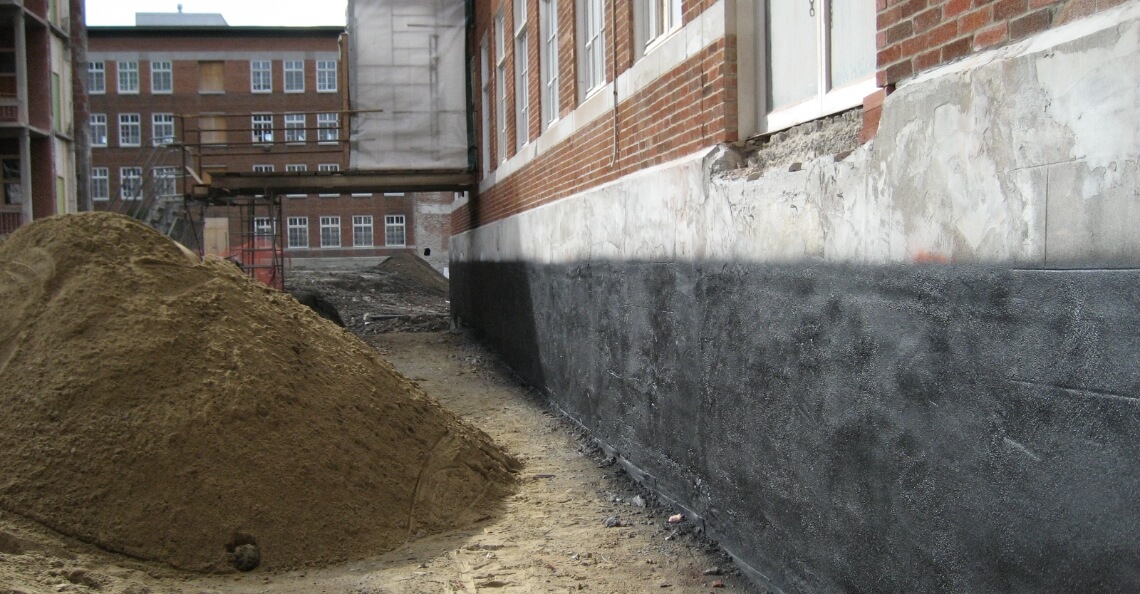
<point x="359" y="224"/>
<point x="326" y="76"/>
<point x="328" y="128"/>
<point x="296" y="168"/>
<point x="260" y="76"/>
<point x="96" y="78"/>
<point x="258" y="122"/>
<point x="263" y="168"/>
<point x="332" y="225"/>
<point x="295" y="127"/>
<point x="126" y="176"/>
<point x="98" y="129"/>
<point x="827" y="100"/>
<point x="296" y="228"/>
<point x="392" y="224"/>
<point x="165" y="181"/>
<point x="522" y="75"/>
<point x="100" y="184"/>
<point x="160" y="125"/>
<point x="591" y="46"/>
<point x="548" y="60"/>
<point x="128" y="76"/>
<point x="501" y="86"/>
<point x="161" y="70"/>
<point x="657" y="19"/>
<point x="130" y="122"/>
<point x="293" y="75"/>
<point x="264" y="227"/>
<point x="328" y="167"/>
<point x="485" y="100"/>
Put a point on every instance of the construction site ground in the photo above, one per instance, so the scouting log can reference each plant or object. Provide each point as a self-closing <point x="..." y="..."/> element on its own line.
<point x="576" y="522"/>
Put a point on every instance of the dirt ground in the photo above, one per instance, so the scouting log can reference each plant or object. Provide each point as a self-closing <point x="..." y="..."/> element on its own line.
<point x="576" y="523"/>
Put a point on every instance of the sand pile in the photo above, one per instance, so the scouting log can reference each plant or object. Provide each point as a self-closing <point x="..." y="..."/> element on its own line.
<point x="411" y="273"/>
<point x="174" y="411"/>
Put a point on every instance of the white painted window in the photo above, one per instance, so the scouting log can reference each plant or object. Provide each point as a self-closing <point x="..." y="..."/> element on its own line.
<point x="128" y="77"/>
<point x="161" y="77"/>
<point x="501" y="86"/>
<point x="522" y="75"/>
<point x="328" y="167"/>
<point x="130" y="129"/>
<point x="657" y="19"/>
<point x="263" y="168"/>
<point x="820" y="59"/>
<point x="394" y="235"/>
<point x="326" y="76"/>
<point x="297" y="232"/>
<point x="296" y="168"/>
<point x="130" y="183"/>
<point x="548" y="58"/>
<point x="263" y="227"/>
<point x="162" y="128"/>
<point x="328" y="127"/>
<point x="98" y="129"/>
<point x="262" y="124"/>
<point x="165" y="181"/>
<point x="100" y="183"/>
<point x="260" y="76"/>
<point x="295" y="127"/>
<point x="362" y="230"/>
<point x="96" y="78"/>
<point x="330" y="232"/>
<point x="294" y="76"/>
<point x="592" y="45"/>
<point x="485" y="101"/>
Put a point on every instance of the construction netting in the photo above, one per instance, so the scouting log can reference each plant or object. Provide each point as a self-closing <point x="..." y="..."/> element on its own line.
<point x="407" y="62"/>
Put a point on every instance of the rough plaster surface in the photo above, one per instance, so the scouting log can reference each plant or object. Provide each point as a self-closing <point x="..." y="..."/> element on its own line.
<point x="842" y="418"/>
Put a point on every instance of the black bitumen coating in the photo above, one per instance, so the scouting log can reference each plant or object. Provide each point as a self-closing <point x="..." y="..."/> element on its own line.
<point x="848" y="428"/>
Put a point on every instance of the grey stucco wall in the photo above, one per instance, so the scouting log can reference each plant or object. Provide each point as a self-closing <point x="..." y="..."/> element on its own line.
<point x="763" y="347"/>
<point x="853" y="428"/>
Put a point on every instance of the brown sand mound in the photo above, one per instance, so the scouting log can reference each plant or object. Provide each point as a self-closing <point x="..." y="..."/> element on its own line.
<point x="174" y="411"/>
<point x="412" y="273"/>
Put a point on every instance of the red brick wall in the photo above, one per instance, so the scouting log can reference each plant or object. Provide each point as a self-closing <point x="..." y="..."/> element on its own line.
<point x="692" y="106"/>
<point x="915" y="35"/>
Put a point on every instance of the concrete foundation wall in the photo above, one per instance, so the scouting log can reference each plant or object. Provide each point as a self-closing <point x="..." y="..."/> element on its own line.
<point x="772" y="352"/>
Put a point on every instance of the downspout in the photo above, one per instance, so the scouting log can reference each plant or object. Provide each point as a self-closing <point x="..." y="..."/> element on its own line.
<point x="80" y="113"/>
<point x="613" y="64"/>
<point x="469" y="40"/>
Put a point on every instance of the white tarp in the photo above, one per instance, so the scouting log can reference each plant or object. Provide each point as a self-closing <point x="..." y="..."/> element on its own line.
<point x="407" y="58"/>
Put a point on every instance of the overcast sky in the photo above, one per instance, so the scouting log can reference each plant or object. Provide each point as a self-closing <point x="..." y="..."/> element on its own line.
<point x="271" y="13"/>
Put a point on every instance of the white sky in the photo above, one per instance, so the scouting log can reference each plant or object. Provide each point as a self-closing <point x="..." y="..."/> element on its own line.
<point x="267" y="13"/>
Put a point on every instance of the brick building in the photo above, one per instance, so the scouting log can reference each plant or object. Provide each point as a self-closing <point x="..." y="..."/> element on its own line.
<point x="38" y="144"/>
<point x="893" y="365"/>
<point x="185" y="93"/>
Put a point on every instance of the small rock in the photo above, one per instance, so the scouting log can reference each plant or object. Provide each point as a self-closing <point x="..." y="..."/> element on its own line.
<point x="612" y="522"/>
<point x="713" y="571"/>
<point x="247" y="557"/>
<point x="796" y="167"/>
<point x="638" y="501"/>
<point x="718" y="584"/>
<point x="676" y="518"/>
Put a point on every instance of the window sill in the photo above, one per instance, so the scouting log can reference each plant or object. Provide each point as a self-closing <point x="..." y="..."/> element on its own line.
<point x="211" y="92"/>
<point x="287" y="92"/>
<point x="153" y="92"/>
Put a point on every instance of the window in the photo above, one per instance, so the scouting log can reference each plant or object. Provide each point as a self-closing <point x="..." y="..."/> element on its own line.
<point x="656" y="19"/>
<point x="328" y="167"/>
<point x="263" y="227"/>
<point x="326" y="76"/>
<point x="548" y="59"/>
<point x="260" y="76"/>
<point x="485" y="102"/>
<point x="100" y="183"/>
<point x="328" y="127"/>
<point x="212" y="129"/>
<point x="394" y="230"/>
<point x="130" y="183"/>
<point x="262" y="127"/>
<point x="296" y="168"/>
<point x="834" y="59"/>
<point x="501" y="87"/>
<point x="522" y="76"/>
<point x="96" y="78"/>
<point x="98" y="129"/>
<point x="161" y="77"/>
<point x="162" y="128"/>
<point x="394" y="194"/>
<point x="297" y="232"/>
<point x="128" y="78"/>
<point x="165" y="181"/>
<point x="294" y="127"/>
<point x="263" y="168"/>
<point x="330" y="232"/>
<point x="130" y="129"/>
<point x="211" y="77"/>
<point x="362" y="231"/>
<point x="294" y="76"/>
<point x="593" y="53"/>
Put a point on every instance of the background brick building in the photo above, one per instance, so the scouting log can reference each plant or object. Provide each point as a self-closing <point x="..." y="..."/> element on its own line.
<point x="181" y="93"/>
